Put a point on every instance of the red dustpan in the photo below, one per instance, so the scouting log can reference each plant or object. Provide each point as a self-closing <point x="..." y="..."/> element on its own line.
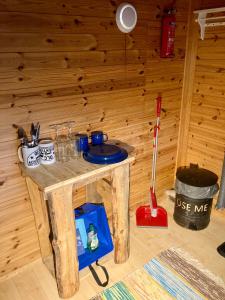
<point x="153" y="215"/>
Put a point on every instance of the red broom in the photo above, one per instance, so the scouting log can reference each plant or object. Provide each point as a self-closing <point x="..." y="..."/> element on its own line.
<point x="153" y="215"/>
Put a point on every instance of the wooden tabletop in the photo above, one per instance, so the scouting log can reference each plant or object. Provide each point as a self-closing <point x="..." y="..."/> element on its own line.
<point x="51" y="177"/>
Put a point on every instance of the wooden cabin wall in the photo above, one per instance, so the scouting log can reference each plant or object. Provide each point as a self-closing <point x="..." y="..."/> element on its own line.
<point x="63" y="60"/>
<point x="205" y="140"/>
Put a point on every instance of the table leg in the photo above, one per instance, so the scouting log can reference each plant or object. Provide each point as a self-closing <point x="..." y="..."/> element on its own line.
<point x="120" y="212"/>
<point x="41" y="217"/>
<point x="64" y="241"/>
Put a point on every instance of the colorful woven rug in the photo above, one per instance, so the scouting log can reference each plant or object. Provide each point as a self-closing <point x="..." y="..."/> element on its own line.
<point x="172" y="274"/>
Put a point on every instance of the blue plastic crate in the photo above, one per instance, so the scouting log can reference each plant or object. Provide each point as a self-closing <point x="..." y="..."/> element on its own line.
<point x="95" y="214"/>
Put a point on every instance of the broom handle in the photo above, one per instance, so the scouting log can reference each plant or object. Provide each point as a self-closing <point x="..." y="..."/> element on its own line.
<point x="155" y="142"/>
<point x="153" y="202"/>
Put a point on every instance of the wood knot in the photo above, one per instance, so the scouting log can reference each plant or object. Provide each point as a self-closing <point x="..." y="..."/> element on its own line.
<point x="49" y="41"/>
<point x="113" y="3"/>
<point x="20" y="67"/>
<point x="77" y="22"/>
<point x="49" y="93"/>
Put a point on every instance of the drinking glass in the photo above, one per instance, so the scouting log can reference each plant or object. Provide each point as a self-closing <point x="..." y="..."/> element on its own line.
<point x="74" y="146"/>
<point x="61" y="141"/>
<point x="73" y="151"/>
<point x="55" y="128"/>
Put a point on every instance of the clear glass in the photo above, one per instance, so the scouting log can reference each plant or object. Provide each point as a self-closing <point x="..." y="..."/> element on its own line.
<point x="75" y="153"/>
<point x="61" y="142"/>
<point x="63" y="147"/>
<point x="55" y="127"/>
<point x="65" y="140"/>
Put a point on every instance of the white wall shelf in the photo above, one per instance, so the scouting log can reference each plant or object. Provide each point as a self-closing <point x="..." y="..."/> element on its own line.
<point x="211" y="21"/>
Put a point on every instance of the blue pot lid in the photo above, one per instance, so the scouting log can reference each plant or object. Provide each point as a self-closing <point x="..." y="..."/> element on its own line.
<point x="105" y="154"/>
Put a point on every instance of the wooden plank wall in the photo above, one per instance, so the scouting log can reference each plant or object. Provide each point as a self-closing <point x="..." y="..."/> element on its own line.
<point x="206" y="140"/>
<point x="206" y="132"/>
<point x="64" y="60"/>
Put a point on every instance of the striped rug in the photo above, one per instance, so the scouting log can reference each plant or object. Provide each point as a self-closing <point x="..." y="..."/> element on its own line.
<point x="173" y="274"/>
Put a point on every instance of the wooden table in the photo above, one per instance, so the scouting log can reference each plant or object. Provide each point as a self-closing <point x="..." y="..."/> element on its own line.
<point x="55" y="183"/>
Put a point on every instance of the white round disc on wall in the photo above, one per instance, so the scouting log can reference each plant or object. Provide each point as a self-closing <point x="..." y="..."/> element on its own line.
<point x="126" y="17"/>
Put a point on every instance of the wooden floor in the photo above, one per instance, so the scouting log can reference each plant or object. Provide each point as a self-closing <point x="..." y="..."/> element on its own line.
<point x="34" y="282"/>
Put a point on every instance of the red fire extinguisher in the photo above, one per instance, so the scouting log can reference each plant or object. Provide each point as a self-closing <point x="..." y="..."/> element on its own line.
<point x="168" y="33"/>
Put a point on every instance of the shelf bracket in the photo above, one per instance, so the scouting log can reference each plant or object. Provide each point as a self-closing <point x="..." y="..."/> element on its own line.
<point x="202" y="23"/>
<point x="211" y="21"/>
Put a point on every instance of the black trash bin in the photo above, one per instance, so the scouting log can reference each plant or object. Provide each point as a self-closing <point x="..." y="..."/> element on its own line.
<point x="195" y="188"/>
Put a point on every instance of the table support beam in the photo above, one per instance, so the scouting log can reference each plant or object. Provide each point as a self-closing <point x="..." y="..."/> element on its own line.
<point x="120" y="212"/>
<point x="64" y="241"/>
<point x="41" y="217"/>
<point x="92" y="194"/>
